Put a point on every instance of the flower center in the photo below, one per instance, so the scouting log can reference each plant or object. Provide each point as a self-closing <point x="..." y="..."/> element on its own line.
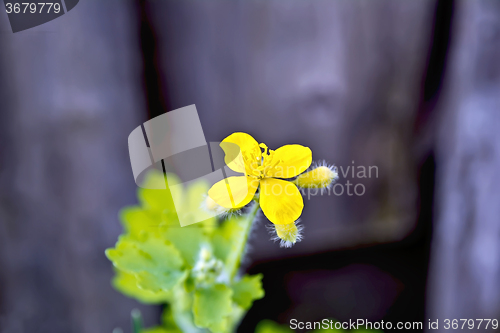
<point x="261" y="167"/>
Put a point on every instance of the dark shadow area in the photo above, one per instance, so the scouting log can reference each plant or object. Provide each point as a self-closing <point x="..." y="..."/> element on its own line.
<point x="157" y="102"/>
<point x="436" y="66"/>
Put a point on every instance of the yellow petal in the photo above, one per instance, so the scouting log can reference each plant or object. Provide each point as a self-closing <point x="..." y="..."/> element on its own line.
<point x="234" y="192"/>
<point x="233" y="156"/>
<point x="249" y="151"/>
<point x="294" y="159"/>
<point x="280" y="200"/>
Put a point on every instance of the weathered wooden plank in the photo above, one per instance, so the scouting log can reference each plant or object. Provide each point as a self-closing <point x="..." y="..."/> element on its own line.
<point x="464" y="279"/>
<point x="71" y="94"/>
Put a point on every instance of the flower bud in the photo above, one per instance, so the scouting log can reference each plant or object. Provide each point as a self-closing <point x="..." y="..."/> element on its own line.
<point x="207" y="268"/>
<point x="321" y="176"/>
<point x="288" y="234"/>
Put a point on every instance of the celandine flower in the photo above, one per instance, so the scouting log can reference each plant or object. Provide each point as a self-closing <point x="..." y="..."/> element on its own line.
<point x="266" y="170"/>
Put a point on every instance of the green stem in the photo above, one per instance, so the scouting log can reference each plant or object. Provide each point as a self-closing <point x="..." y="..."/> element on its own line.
<point x="240" y="251"/>
<point x="136" y="321"/>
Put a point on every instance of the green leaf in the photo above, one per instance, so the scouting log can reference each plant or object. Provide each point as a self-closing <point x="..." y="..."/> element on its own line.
<point x="212" y="306"/>
<point x="127" y="283"/>
<point x="189" y="204"/>
<point x="154" y="195"/>
<point x="247" y="290"/>
<point x="156" y="210"/>
<point x="269" y="326"/>
<point x="156" y="263"/>
<point x="188" y="241"/>
<point x="196" y="196"/>
<point x="136" y="220"/>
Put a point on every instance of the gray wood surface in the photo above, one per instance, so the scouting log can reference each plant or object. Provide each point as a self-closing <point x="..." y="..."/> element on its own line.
<point x="342" y="77"/>
<point x="71" y="94"/>
<point x="464" y="280"/>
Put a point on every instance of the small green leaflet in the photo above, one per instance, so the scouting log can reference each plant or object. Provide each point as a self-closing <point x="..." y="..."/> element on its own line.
<point x="247" y="290"/>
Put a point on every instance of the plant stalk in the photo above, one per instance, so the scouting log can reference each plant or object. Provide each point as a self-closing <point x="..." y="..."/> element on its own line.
<point x="240" y="252"/>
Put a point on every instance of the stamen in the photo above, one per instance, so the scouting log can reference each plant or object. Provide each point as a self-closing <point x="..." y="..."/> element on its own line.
<point x="263" y="145"/>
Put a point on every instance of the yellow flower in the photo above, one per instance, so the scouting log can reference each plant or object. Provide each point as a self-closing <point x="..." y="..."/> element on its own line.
<point x="266" y="170"/>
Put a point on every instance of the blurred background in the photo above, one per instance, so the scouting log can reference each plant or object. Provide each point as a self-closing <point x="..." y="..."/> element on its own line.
<point x="410" y="88"/>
